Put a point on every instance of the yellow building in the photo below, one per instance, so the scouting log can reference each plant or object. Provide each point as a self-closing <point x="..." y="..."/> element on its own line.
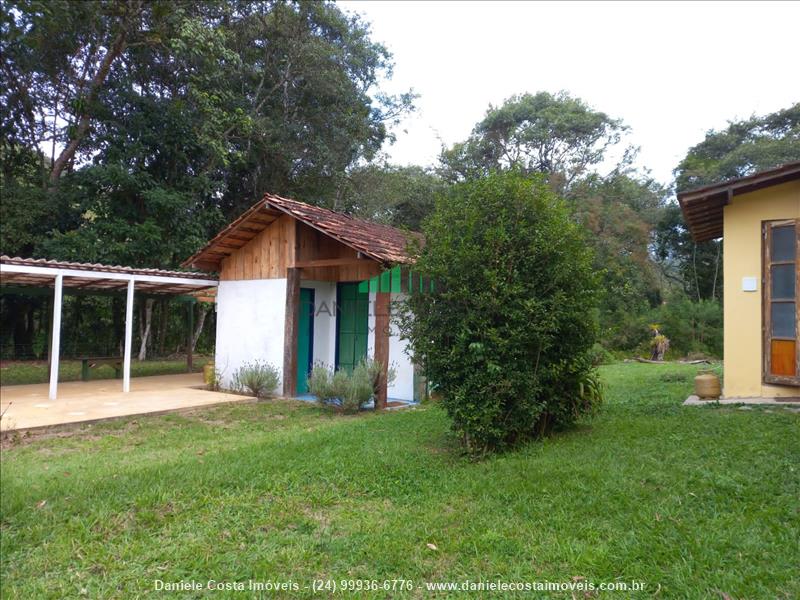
<point x="758" y="217"/>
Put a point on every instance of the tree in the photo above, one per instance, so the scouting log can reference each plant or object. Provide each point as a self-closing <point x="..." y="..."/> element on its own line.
<point x="558" y="135"/>
<point x="162" y="120"/>
<point x="398" y="196"/>
<point x="620" y="213"/>
<point x="505" y="332"/>
<point x="743" y="148"/>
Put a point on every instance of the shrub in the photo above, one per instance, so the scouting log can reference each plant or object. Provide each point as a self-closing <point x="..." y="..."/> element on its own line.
<point x="507" y="332"/>
<point x="598" y="355"/>
<point x="351" y="391"/>
<point x="258" y="378"/>
<point x="692" y="326"/>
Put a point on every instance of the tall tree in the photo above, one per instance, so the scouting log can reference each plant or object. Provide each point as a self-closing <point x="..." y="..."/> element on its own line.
<point x="742" y="148"/>
<point x="398" y="196"/>
<point x="132" y="130"/>
<point x="558" y="135"/>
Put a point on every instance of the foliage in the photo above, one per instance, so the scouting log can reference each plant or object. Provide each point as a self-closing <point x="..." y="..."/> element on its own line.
<point x="647" y="467"/>
<point x="692" y="326"/>
<point x="350" y="391"/>
<point x="398" y="196"/>
<point x="259" y="378"/>
<point x="694" y="269"/>
<point x="133" y="131"/>
<point x="507" y="330"/>
<point x="599" y="355"/>
<point x="557" y="135"/>
<point x="743" y="148"/>
<point x="619" y="212"/>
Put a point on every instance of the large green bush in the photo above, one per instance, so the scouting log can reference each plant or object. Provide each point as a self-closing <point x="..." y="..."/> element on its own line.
<point x="507" y="331"/>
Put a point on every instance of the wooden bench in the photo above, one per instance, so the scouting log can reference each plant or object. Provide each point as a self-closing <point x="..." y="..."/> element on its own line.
<point x="90" y="362"/>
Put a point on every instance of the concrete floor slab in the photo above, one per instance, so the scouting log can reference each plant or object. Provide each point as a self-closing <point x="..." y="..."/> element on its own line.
<point x="791" y="401"/>
<point x="28" y="406"/>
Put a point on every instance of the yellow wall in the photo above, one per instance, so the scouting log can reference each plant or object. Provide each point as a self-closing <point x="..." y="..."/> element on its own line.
<point x="742" y="258"/>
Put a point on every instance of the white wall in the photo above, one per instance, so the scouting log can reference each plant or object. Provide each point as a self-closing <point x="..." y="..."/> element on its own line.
<point x="403" y="386"/>
<point x="250" y="324"/>
<point x="324" y="320"/>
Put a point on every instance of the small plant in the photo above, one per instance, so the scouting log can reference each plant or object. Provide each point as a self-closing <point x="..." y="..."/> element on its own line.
<point x="659" y="344"/>
<point x="258" y="378"/>
<point x="320" y="383"/>
<point x="350" y="391"/>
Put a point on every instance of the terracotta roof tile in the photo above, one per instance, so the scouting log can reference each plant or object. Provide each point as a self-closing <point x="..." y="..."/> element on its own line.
<point x="382" y="243"/>
<point x="97" y="267"/>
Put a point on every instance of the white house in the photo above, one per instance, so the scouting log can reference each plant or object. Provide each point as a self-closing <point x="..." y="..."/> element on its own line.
<point x="300" y="284"/>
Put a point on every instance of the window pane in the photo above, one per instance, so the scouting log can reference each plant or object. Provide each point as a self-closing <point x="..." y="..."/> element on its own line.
<point x="783" y="319"/>
<point x="783" y="281"/>
<point x="782" y="359"/>
<point x="783" y="243"/>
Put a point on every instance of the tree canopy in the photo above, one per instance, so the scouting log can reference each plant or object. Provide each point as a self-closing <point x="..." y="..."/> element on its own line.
<point x="557" y="135"/>
<point x="744" y="147"/>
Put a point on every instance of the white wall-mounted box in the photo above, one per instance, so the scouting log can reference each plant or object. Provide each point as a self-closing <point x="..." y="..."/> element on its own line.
<point x="749" y="284"/>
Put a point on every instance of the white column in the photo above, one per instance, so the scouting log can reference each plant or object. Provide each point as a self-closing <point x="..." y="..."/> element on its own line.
<point x="126" y="365"/>
<point x="56" y="345"/>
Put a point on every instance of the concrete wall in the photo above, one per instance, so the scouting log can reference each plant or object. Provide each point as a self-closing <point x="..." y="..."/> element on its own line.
<point x="743" y="219"/>
<point x="324" y="320"/>
<point x="250" y="324"/>
<point x="403" y="386"/>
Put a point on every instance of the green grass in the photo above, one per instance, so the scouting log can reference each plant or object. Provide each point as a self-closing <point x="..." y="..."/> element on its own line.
<point x="35" y="371"/>
<point x="695" y="502"/>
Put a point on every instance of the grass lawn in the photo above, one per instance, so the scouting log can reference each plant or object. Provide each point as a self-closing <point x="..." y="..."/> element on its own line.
<point x="35" y="371"/>
<point x="694" y="502"/>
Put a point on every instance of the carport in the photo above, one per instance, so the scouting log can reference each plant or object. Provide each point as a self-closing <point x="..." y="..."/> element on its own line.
<point x="86" y="277"/>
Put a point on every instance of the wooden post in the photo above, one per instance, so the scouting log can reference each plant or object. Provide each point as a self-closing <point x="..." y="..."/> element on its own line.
<point x="55" y="345"/>
<point x="291" y="325"/>
<point x="189" y="336"/>
<point x="382" y="307"/>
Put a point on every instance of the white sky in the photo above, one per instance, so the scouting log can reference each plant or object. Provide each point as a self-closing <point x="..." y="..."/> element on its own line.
<point x="670" y="71"/>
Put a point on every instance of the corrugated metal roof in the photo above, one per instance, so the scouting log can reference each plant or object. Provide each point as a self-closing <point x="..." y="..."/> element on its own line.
<point x="382" y="243"/>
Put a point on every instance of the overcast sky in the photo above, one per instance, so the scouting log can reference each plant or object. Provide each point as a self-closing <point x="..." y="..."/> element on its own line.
<point x="671" y="71"/>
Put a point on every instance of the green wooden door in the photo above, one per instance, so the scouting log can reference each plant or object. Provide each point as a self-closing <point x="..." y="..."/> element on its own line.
<point x="352" y="325"/>
<point x="305" y="339"/>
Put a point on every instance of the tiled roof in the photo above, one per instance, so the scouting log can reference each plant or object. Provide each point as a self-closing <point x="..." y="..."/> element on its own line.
<point x="382" y="243"/>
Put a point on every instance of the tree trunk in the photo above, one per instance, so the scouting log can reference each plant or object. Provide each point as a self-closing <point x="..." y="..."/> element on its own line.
<point x="118" y="321"/>
<point x="82" y="128"/>
<point x="148" y="318"/>
<point x="200" y="322"/>
<point x="163" y="320"/>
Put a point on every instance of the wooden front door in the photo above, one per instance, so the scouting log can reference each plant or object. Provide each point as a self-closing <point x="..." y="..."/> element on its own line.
<point x="352" y="325"/>
<point x="305" y="339"/>
<point x="781" y="289"/>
